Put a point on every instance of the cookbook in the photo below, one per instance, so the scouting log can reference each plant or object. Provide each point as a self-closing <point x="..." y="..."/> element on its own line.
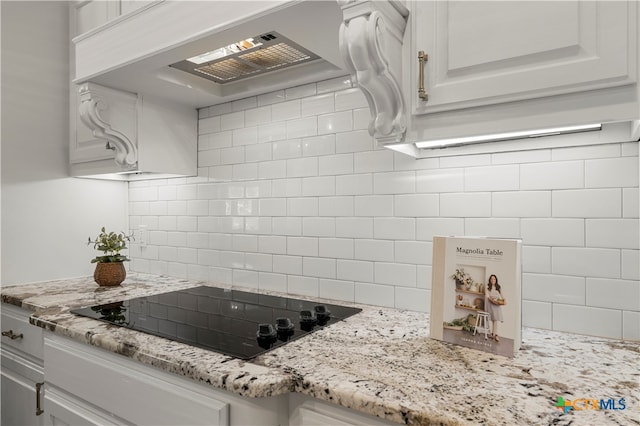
<point x="475" y="295"/>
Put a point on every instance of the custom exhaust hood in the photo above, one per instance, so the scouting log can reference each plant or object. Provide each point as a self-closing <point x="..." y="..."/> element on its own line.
<point x="267" y="46"/>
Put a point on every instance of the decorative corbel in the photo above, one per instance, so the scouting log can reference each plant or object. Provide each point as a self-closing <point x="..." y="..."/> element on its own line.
<point x="93" y="101"/>
<point x="371" y="45"/>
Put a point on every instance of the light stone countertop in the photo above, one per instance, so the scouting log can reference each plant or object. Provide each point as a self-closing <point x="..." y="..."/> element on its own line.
<point x="380" y="362"/>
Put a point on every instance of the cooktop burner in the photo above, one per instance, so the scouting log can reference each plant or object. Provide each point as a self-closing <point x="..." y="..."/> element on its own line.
<point x="236" y="323"/>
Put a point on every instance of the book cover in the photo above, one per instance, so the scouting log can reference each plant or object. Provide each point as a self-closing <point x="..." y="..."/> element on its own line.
<point x="475" y="295"/>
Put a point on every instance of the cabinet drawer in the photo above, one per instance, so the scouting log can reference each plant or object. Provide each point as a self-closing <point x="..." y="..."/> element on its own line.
<point x="15" y="322"/>
<point x="125" y="389"/>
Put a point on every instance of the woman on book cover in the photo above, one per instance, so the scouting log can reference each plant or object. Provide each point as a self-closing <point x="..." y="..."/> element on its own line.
<point x="494" y="307"/>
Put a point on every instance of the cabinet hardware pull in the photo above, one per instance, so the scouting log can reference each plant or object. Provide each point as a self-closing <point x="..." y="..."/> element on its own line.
<point x="39" y="410"/>
<point x="422" y="58"/>
<point x="11" y="335"/>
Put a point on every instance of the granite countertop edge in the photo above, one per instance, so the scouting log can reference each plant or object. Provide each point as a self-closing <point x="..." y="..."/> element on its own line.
<point x="380" y="362"/>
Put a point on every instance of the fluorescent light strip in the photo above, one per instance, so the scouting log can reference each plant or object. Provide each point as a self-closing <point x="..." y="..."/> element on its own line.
<point x="506" y="136"/>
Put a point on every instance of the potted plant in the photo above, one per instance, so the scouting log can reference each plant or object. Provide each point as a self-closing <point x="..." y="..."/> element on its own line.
<point x="110" y="269"/>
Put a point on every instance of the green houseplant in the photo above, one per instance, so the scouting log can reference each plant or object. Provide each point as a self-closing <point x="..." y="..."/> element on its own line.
<point x="110" y="269"/>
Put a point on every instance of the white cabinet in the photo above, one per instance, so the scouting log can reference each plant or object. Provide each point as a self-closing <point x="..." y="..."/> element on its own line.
<point x="89" y="385"/>
<point x="121" y="135"/>
<point x="496" y="66"/>
<point x="307" y="411"/>
<point x="22" y="371"/>
<point x="87" y="15"/>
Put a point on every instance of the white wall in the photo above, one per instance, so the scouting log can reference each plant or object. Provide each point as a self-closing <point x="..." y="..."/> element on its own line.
<point x="293" y="196"/>
<point x="46" y="216"/>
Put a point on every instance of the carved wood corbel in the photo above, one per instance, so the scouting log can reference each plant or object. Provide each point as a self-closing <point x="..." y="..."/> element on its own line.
<point x="371" y="45"/>
<point x="93" y="102"/>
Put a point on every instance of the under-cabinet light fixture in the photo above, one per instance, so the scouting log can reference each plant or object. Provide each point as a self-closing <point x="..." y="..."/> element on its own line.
<point x="443" y="143"/>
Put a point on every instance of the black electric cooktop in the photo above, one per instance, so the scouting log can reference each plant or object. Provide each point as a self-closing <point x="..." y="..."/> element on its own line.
<point x="236" y="323"/>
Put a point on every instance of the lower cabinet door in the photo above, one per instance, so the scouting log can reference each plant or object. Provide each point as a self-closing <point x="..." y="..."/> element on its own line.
<point x="63" y="411"/>
<point x="18" y="400"/>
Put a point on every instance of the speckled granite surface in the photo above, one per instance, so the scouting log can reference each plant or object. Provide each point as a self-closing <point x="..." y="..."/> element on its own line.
<point x="379" y="362"/>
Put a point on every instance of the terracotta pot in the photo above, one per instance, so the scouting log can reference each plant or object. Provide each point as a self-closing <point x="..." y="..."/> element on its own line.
<point x="109" y="274"/>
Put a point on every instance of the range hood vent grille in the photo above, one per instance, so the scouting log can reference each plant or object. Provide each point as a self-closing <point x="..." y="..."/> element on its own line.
<point x="271" y="52"/>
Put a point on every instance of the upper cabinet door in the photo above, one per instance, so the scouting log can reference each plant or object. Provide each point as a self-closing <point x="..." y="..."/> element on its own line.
<point x="93" y="13"/>
<point x="484" y="53"/>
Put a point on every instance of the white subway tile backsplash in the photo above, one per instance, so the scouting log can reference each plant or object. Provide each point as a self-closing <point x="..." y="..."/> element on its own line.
<point x="273" y="244"/>
<point x="590" y="262"/>
<point x="271" y="132"/>
<point x="416" y="252"/>
<point x="301" y="167"/>
<point x="428" y="227"/>
<point x="318" y="186"/>
<point x="361" y="184"/>
<point x="373" y="161"/>
<point x="318" y="227"/>
<point x="334" y="84"/>
<point x="537" y="314"/>
<point x="305" y="286"/>
<point x="521" y="204"/>
<point x="552" y="232"/>
<point x="395" y="274"/>
<point x="335" y="122"/>
<point x="554" y="288"/>
<point x="293" y="195"/>
<point x="394" y="183"/>
<point x="302" y="246"/>
<point x="272" y="282"/>
<point x="209" y="125"/>
<point x="613" y="233"/>
<point x="630" y="204"/>
<point x="350" y="99"/>
<point x="416" y="205"/>
<point x="272" y="169"/>
<point x="631" y="265"/>
<point x="339" y="248"/>
<point x="271" y="98"/>
<point x="287" y="110"/>
<point x="291" y="265"/>
<point x="472" y="204"/>
<point x="611" y="172"/>
<point x="587" y="320"/>
<point x="289" y="226"/>
<point x="340" y="164"/>
<point x="413" y="299"/>
<point x="374" y="294"/>
<point x="233" y="120"/>
<point x="613" y="293"/>
<point x="318" y="145"/>
<point x="291" y="148"/>
<point x="374" y="205"/>
<point x="336" y="290"/>
<point x="536" y="259"/>
<point x="587" y="203"/>
<point x="630" y="325"/>
<point x="302" y="206"/>
<point x="336" y="206"/>
<point x="394" y="228"/>
<point x="440" y="180"/>
<point x="300" y="91"/>
<point x="375" y="250"/>
<point x="492" y="178"/>
<point x="493" y="227"/>
<point x="357" y="140"/>
<point x="257" y="116"/>
<point x="354" y="270"/>
<point x="554" y="175"/>
<point x="354" y="227"/>
<point x="316" y="105"/>
<point x="302" y="127"/>
<point x="319" y="267"/>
